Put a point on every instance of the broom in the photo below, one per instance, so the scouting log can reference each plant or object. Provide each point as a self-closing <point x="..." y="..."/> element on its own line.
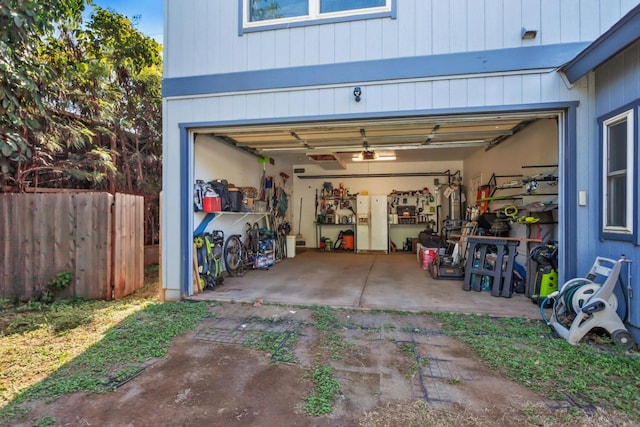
<point x="299" y="239"/>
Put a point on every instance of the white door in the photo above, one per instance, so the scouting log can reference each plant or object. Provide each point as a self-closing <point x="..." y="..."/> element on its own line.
<point x="379" y="237"/>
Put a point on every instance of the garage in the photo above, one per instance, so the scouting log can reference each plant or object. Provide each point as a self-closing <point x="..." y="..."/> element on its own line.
<point x="431" y="175"/>
<point x="427" y="108"/>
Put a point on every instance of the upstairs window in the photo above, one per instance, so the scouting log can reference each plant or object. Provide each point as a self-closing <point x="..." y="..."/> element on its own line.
<point x="260" y="13"/>
<point x="617" y="174"/>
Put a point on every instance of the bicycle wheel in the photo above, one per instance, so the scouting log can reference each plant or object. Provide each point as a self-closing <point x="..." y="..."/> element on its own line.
<point x="233" y="255"/>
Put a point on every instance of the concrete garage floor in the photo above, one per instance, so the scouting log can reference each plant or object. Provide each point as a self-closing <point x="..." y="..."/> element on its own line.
<point x="363" y="281"/>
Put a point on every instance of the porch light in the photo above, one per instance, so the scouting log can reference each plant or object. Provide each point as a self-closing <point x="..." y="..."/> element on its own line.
<point x="357" y="92"/>
<point x="529" y="34"/>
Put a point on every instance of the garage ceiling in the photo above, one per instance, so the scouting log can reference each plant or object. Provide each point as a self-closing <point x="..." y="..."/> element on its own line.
<point x="411" y="139"/>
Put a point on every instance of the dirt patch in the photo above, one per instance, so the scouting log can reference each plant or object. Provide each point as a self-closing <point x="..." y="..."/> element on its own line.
<point x="216" y="376"/>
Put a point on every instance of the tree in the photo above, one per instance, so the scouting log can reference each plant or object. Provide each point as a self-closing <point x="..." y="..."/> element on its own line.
<point x="134" y="77"/>
<point x="78" y="105"/>
<point x="27" y="125"/>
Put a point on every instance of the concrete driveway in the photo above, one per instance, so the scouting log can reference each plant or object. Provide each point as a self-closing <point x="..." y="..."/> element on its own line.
<point x="364" y="281"/>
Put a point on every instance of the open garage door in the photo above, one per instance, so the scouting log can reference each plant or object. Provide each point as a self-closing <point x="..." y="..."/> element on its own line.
<point x="501" y="153"/>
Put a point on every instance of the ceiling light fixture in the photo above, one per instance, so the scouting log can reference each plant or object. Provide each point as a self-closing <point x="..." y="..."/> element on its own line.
<point x="376" y="157"/>
<point x="367" y="155"/>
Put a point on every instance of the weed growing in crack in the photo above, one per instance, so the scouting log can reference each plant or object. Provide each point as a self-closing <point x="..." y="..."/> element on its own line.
<point x="325" y="318"/>
<point x="336" y="344"/>
<point x="279" y="345"/>
<point x="321" y="399"/>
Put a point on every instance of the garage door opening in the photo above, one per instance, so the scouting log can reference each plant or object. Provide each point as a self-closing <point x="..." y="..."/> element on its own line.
<point x="444" y="168"/>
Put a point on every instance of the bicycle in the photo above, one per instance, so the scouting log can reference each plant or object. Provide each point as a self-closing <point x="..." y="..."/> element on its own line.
<point x="239" y="256"/>
<point x="255" y="252"/>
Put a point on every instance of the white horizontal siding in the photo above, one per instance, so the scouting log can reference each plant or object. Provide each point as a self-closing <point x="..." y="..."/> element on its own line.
<point x="202" y="35"/>
<point x="378" y="98"/>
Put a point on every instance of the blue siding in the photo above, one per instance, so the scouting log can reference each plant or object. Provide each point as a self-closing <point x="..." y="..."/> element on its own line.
<point x="493" y="61"/>
<point x="618" y="81"/>
<point x="617" y="85"/>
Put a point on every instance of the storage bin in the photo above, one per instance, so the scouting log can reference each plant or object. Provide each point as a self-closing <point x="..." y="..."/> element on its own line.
<point x="235" y="200"/>
<point x="260" y="206"/>
<point x="211" y="204"/>
<point x="291" y="246"/>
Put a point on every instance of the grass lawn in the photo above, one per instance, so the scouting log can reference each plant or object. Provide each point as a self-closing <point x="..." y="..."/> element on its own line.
<point x="597" y="373"/>
<point x="47" y="350"/>
<point x="50" y="349"/>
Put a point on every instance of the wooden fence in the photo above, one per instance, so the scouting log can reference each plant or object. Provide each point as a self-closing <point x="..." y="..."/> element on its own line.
<point x="96" y="237"/>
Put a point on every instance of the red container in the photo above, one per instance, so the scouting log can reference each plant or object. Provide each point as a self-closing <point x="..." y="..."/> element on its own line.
<point x="211" y="204"/>
<point x="428" y="257"/>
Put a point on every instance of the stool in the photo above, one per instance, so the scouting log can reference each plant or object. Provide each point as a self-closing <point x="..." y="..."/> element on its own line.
<point x="501" y="272"/>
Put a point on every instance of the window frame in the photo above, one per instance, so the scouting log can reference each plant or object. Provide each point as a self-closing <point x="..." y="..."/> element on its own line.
<point x="628" y="231"/>
<point x="314" y="17"/>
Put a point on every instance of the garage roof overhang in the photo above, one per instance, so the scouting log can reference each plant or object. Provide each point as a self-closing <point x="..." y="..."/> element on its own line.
<point x="609" y="44"/>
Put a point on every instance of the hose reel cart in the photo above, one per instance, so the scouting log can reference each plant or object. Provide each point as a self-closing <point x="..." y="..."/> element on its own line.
<point x="583" y="304"/>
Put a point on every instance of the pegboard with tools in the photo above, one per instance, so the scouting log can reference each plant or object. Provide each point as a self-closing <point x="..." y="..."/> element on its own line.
<point x="412" y="207"/>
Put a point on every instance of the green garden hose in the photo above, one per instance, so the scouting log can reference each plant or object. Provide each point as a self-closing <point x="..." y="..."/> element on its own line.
<point x="565" y="296"/>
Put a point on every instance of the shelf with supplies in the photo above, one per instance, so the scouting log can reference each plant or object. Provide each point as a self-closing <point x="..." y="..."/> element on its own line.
<point x="410" y="212"/>
<point x="525" y="205"/>
<point x="335" y="214"/>
<point x="515" y="189"/>
<point x="335" y="205"/>
<point x="232" y="222"/>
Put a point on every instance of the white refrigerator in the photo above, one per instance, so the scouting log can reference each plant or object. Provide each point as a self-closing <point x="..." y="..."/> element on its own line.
<point x="372" y="223"/>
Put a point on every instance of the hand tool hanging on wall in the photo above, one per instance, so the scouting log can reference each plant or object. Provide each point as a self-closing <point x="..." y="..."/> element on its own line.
<point x="274" y="198"/>
<point x="299" y="238"/>
<point x="263" y="160"/>
<point x="268" y="191"/>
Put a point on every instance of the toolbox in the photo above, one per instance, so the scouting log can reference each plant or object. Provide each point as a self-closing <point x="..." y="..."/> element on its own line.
<point x="444" y="271"/>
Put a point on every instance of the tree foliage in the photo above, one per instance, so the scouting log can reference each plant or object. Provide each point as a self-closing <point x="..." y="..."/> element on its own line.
<point x="80" y="103"/>
<point x="27" y="126"/>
